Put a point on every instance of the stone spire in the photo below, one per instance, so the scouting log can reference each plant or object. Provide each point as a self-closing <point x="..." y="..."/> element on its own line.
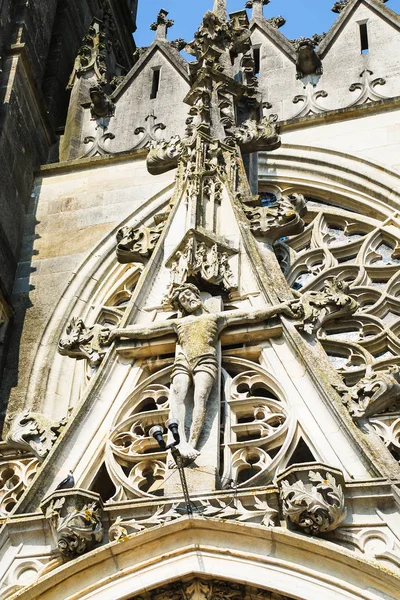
<point x="220" y="9"/>
<point x="161" y="25"/>
<point x="257" y="6"/>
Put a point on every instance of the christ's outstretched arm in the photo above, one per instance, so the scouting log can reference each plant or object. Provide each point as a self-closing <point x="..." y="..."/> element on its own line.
<point x="291" y="309"/>
<point x="137" y="332"/>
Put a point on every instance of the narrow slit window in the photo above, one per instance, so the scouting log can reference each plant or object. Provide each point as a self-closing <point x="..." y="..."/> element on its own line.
<point x="364" y="38"/>
<point x="256" y="56"/>
<point x="155" y="86"/>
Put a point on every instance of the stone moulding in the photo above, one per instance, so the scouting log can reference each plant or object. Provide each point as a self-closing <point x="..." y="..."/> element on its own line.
<point x="312" y="500"/>
<point x="75" y="518"/>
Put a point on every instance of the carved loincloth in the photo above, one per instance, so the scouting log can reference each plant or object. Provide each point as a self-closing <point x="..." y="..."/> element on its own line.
<point x="207" y="363"/>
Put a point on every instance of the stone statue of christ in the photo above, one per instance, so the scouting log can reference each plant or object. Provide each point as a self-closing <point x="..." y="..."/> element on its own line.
<point x="196" y="362"/>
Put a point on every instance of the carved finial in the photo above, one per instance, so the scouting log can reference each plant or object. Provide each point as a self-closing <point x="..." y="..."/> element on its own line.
<point x="161" y="25"/>
<point x="220" y="9"/>
<point x="257" y="6"/>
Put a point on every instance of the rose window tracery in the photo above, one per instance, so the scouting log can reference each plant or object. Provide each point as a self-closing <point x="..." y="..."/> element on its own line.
<point x="364" y="347"/>
<point x="256" y="429"/>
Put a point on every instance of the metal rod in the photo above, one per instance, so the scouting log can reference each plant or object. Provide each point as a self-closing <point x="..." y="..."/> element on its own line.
<point x="179" y="463"/>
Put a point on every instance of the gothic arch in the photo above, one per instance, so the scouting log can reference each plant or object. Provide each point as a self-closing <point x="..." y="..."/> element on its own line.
<point x="269" y="559"/>
<point x="334" y="176"/>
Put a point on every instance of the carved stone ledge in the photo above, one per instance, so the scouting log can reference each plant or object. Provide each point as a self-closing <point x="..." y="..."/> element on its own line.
<point x="282" y="218"/>
<point x="83" y="342"/>
<point x="262" y="509"/>
<point x="374" y="393"/>
<point x="34" y="431"/>
<point x="75" y="518"/>
<point x="312" y="497"/>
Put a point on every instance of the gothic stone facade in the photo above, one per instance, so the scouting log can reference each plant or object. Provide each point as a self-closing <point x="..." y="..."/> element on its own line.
<point x="215" y="242"/>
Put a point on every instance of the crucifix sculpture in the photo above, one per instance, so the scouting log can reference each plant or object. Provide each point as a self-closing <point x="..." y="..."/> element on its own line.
<point x="196" y="361"/>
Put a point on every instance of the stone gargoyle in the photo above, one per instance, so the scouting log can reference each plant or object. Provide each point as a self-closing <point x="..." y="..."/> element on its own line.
<point x="101" y="105"/>
<point x="307" y="60"/>
<point x="136" y="244"/>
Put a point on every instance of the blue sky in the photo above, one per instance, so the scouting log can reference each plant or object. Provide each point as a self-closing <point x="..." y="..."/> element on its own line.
<point x="303" y="17"/>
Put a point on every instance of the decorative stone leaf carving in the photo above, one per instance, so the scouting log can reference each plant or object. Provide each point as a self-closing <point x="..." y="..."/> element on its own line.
<point x="75" y="520"/>
<point x="34" y="431"/>
<point x="164" y="155"/>
<point x="136" y="244"/>
<point x="254" y="136"/>
<point x="387" y="426"/>
<point x="283" y="218"/>
<point x="310" y="104"/>
<point x="312" y="508"/>
<point x="98" y="147"/>
<point x="83" y="342"/>
<point x="374" y="393"/>
<point x="148" y="133"/>
<point x="260" y="513"/>
<point x="120" y="529"/>
<point x="330" y="303"/>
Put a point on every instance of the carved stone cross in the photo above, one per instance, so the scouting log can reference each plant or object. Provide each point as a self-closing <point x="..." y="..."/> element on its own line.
<point x="162" y="25"/>
<point x="220" y="9"/>
<point x="257" y="6"/>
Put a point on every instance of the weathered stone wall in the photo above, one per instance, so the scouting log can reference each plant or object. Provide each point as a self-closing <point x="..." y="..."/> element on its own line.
<point x="342" y="61"/>
<point x="72" y="210"/>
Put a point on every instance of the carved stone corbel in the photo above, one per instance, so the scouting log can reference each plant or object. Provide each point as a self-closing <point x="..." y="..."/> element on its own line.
<point x="83" y="342"/>
<point x="375" y="392"/>
<point x="75" y="518"/>
<point x="332" y="302"/>
<point x="282" y="218"/>
<point x="34" y="431"/>
<point x="311" y="501"/>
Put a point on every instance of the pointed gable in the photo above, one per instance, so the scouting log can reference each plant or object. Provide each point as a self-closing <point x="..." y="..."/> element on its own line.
<point x="155" y="86"/>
